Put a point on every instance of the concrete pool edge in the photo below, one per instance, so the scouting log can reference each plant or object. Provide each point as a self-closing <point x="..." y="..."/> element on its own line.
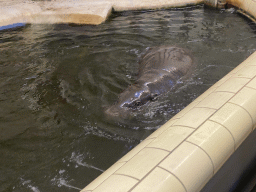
<point x="78" y="12"/>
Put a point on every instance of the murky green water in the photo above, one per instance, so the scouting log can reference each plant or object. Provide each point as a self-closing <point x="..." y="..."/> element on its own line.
<point x="56" y="80"/>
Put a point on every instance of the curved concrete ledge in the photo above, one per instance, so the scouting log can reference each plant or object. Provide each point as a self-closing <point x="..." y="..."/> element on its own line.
<point x="76" y="11"/>
<point x="247" y="7"/>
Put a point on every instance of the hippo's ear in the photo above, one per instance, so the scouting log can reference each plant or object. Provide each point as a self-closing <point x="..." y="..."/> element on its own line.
<point x="153" y="96"/>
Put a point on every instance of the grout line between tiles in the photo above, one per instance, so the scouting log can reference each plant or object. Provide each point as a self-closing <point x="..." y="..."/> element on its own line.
<point x="157" y="148"/>
<point x="245" y="110"/>
<point x="183" y="126"/>
<point x="250" y="87"/>
<point x="240" y="77"/>
<point x="224" y="92"/>
<point x="126" y="176"/>
<point x="205" y="108"/>
<point x="227" y="130"/>
<point x="174" y="176"/>
<point x="213" y="168"/>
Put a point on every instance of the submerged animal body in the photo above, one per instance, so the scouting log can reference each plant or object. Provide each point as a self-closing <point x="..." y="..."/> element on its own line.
<point x="159" y="70"/>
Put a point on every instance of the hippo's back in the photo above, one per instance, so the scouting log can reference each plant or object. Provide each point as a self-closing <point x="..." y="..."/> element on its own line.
<point x="166" y="58"/>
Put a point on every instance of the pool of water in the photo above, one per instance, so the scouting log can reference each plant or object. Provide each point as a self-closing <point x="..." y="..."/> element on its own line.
<point x="56" y="81"/>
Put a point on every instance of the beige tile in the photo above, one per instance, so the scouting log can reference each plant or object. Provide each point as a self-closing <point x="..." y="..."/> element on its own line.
<point x="103" y="176"/>
<point x="135" y="150"/>
<point x="116" y="183"/>
<point x="161" y="129"/>
<point x="246" y="4"/>
<point x="171" y="138"/>
<point x="233" y="85"/>
<point x="221" y="81"/>
<point x="251" y="60"/>
<point x="18" y="12"/>
<point x="204" y="95"/>
<point x="78" y="12"/>
<point x="195" y="117"/>
<point x="243" y="4"/>
<point x="215" y="100"/>
<point x="238" y="68"/>
<point x="159" y="180"/>
<point x="246" y="98"/>
<point x="142" y="163"/>
<point x="252" y="9"/>
<point x="185" y="110"/>
<point x="246" y="72"/>
<point x="149" y="4"/>
<point x="236" y="120"/>
<point x="191" y="165"/>
<point x="122" y="5"/>
<point x="252" y="83"/>
<point x="215" y="140"/>
<point x="153" y="4"/>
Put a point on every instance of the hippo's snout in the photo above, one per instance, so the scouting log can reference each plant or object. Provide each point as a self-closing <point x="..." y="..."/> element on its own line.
<point x="117" y="111"/>
<point x="113" y="111"/>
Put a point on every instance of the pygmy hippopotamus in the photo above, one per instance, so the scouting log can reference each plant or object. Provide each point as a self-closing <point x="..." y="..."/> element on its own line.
<point x="159" y="70"/>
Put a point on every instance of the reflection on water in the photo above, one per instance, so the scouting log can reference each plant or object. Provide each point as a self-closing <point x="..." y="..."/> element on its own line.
<point x="56" y="80"/>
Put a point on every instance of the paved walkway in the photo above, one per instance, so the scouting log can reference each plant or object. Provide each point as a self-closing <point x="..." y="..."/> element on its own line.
<point x="75" y="11"/>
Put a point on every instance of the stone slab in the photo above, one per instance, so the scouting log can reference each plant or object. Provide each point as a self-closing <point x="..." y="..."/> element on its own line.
<point x="69" y="11"/>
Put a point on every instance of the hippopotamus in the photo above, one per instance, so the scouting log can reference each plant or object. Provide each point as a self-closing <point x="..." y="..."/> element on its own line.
<point x="159" y="70"/>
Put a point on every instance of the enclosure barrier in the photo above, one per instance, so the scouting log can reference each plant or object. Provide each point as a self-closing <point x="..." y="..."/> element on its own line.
<point x="187" y="151"/>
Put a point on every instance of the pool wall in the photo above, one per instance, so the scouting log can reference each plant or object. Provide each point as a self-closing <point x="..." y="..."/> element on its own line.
<point x="191" y="148"/>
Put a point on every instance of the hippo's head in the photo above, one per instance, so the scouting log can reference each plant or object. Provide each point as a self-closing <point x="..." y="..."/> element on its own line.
<point x="132" y="99"/>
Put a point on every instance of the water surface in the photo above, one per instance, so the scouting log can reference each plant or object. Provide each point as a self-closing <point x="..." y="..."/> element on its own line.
<point x="56" y="80"/>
